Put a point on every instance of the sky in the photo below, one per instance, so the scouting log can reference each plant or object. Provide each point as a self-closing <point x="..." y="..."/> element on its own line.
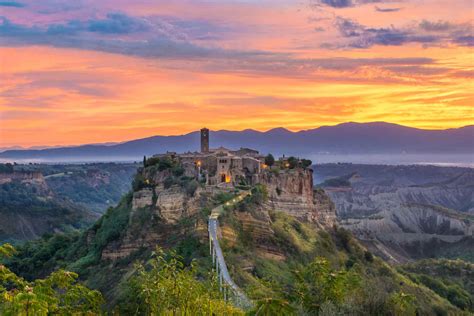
<point x="89" y="71"/>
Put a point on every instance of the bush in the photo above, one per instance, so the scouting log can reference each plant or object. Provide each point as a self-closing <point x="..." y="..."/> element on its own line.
<point x="191" y="187"/>
<point x="293" y="162"/>
<point x="178" y="171"/>
<point x="368" y="256"/>
<point x="318" y="283"/>
<point x="169" y="182"/>
<point x="259" y="194"/>
<point x="138" y="182"/>
<point x="305" y="163"/>
<point x="168" y="287"/>
<point x="223" y="197"/>
<point x="403" y="304"/>
<point x="152" y="161"/>
<point x="344" y="236"/>
<point x="58" y="294"/>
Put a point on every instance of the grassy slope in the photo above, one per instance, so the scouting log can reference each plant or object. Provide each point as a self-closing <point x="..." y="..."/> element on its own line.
<point x="301" y="243"/>
<point x="451" y="279"/>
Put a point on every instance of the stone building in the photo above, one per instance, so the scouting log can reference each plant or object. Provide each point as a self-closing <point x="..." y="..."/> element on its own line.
<point x="221" y="166"/>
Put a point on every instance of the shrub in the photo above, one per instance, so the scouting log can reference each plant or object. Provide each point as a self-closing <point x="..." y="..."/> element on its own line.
<point x="305" y="163"/>
<point x="191" y="187"/>
<point x="344" y="236"/>
<point x="169" y="182"/>
<point x="403" y="304"/>
<point x="293" y="162"/>
<point x="165" y="164"/>
<point x="151" y="161"/>
<point x="368" y="256"/>
<point x="58" y="294"/>
<point x="138" y="182"/>
<point x="167" y="287"/>
<point x="318" y="283"/>
<point x="259" y="194"/>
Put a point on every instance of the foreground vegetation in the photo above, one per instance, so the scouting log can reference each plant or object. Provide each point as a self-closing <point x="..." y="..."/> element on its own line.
<point x="58" y="294"/>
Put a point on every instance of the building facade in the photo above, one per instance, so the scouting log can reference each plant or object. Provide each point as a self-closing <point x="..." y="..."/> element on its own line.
<point x="221" y="166"/>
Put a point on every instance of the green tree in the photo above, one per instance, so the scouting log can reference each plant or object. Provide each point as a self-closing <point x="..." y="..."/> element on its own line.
<point x="292" y="162"/>
<point x="318" y="283"/>
<point x="403" y="304"/>
<point x="306" y="163"/>
<point x="166" y="286"/>
<point x="58" y="294"/>
<point x="259" y="194"/>
<point x="272" y="306"/>
<point x="269" y="160"/>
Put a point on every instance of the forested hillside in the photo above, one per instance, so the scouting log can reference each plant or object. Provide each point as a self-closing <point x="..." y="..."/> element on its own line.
<point x="31" y="210"/>
<point x="36" y="199"/>
<point x="95" y="186"/>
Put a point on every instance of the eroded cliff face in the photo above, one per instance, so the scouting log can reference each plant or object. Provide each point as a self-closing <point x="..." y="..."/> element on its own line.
<point x="156" y="218"/>
<point x="291" y="191"/>
<point x="406" y="213"/>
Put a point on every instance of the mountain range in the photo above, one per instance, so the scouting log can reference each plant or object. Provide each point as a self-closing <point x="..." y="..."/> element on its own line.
<point x="345" y="138"/>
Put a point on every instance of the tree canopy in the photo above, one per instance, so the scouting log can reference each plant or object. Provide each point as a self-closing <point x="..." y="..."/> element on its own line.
<point x="269" y="160"/>
<point x="58" y="294"/>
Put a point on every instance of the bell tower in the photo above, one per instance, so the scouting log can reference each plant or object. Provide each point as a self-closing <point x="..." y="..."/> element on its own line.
<point x="204" y="140"/>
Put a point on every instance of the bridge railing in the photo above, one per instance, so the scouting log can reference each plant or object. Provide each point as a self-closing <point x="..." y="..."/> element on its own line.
<point x="227" y="286"/>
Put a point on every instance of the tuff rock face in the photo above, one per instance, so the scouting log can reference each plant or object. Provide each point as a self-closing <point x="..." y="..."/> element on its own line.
<point x="291" y="191"/>
<point x="175" y="204"/>
<point x="142" y="198"/>
<point x="152" y="224"/>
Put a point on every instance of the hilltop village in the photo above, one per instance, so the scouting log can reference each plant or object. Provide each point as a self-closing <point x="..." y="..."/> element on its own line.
<point x="224" y="167"/>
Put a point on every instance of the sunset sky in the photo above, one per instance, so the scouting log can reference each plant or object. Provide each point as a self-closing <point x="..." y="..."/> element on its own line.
<point x="90" y="71"/>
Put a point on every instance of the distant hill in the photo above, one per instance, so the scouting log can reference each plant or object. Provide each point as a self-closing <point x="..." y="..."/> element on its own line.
<point x="346" y="138"/>
<point x="29" y="209"/>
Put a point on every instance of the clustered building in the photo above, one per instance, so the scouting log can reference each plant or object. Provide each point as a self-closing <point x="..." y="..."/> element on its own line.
<point x="221" y="166"/>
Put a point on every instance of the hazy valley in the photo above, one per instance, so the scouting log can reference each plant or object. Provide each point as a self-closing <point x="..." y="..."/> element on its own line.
<point x="38" y="199"/>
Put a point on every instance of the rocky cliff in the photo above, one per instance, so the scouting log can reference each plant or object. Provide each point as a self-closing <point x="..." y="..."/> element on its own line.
<point x="292" y="192"/>
<point x="157" y="216"/>
<point x="405" y="212"/>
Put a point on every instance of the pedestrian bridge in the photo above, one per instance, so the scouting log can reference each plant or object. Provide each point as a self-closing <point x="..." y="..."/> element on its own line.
<point x="227" y="286"/>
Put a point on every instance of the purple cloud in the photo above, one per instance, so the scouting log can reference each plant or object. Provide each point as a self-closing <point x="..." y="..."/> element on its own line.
<point x="425" y="33"/>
